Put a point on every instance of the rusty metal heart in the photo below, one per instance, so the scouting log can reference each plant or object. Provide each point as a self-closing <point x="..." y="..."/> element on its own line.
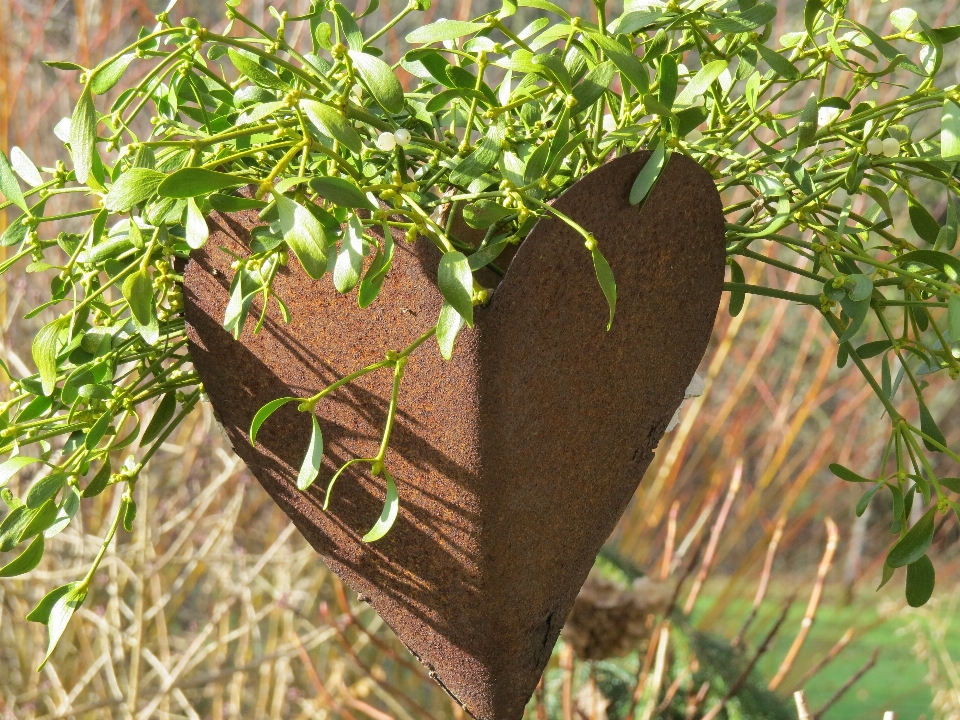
<point x="515" y="460"/>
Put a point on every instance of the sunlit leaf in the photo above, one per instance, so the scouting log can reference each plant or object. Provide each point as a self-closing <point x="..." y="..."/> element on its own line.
<point x="388" y="516"/>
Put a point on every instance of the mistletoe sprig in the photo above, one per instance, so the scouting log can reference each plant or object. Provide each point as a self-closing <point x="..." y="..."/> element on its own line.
<point x="502" y="118"/>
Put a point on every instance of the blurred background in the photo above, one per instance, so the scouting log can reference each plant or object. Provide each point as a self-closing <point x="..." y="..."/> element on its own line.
<point x="214" y="607"/>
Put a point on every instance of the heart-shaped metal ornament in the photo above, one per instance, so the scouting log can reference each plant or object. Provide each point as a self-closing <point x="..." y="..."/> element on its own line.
<point x="515" y="460"/>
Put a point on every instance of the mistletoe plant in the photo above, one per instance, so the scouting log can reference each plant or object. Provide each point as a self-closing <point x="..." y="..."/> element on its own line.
<point x="501" y="120"/>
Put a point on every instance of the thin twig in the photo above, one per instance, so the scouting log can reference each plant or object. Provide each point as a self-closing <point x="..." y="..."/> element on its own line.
<point x="715" y="533"/>
<point x="834" y="651"/>
<point x="848" y="684"/>
<point x="764" y="580"/>
<point x="833" y="537"/>
<point x="735" y="688"/>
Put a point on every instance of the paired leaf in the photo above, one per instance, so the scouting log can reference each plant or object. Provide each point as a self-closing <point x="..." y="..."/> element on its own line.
<point x="44" y="350"/>
<point x="648" y="174"/>
<point x="24" y="167"/>
<point x="334" y="124"/>
<point x="304" y="235"/>
<point x="700" y="83"/>
<point x="950" y="131"/>
<point x="346" y="273"/>
<point x="443" y="30"/>
<point x="607" y="282"/>
<point x="26" y="561"/>
<point x="341" y="192"/>
<point x="138" y="292"/>
<point x="11" y="467"/>
<point x="456" y="284"/>
<point x="388" y="516"/>
<point x="9" y="185"/>
<point x="191" y="182"/>
<point x="132" y="188"/>
<point x="196" y="227"/>
<point x="264" y="413"/>
<point x="380" y="80"/>
<point x="247" y="65"/>
<point x="60" y="611"/>
<point x="107" y="75"/>
<point x="912" y="546"/>
<point x="448" y="327"/>
<point x="161" y="417"/>
<point x="314" y="456"/>
<point x="83" y="135"/>
<point x="921" y="579"/>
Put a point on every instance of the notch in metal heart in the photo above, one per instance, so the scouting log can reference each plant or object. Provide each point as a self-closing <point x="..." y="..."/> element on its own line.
<point x="515" y="460"/>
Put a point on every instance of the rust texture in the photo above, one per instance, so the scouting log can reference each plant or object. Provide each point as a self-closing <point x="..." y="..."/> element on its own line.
<point x="515" y="460"/>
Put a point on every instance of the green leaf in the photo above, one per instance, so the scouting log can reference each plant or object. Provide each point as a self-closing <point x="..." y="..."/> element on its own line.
<point x="265" y="412"/>
<point x="857" y="312"/>
<point x="607" y="283"/>
<point x="348" y="27"/>
<point x="443" y="30"/>
<point x="947" y="264"/>
<point x="923" y="222"/>
<point x="161" y="417"/>
<point x="912" y="546"/>
<point x="668" y="79"/>
<point x="197" y="231"/>
<point x="700" y="83"/>
<point x="872" y="349"/>
<point x="133" y="187"/>
<point x="627" y="63"/>
<point x="44" y="350"/>
<point x="107" y="75"/>
<point x="372" y="282"/>
<point x="24" y="167"/>
<point x="83" y="135"/>
<point x="138" y="292"/>
<point x="26" y="561"/>
<point x="777" y="62"/>
<point x="44" y="489"/>
<point x="737" y="297"/>
<point x="862" y="287"/>
<point x="929" y="428"/>
<point x="456" y="284"/>
<point x="953" y="317"/>
<point x="9" y="185"/>
<point x="807" y="127"/>
<point x="866" y="498"/>
<point x="341" y="192"/>
<point x="191" y="182"/>
<point x="304" y="234"/>
<point x="311" y="461"/>
<point x="380" y="80"/>
<point x="482" y="158"/>
<point x="41" y="613"/>
<point x="129" y="514"/>
<point x="388" y="516"/>
<point x="334" y="124"/>
<point x="247" y="64"/>
<point x="950" y="131"/>
<point x="845" y="474"/>
<point x="448" y="326"/>
<point x="232" y="203"/>
<point x="99" y="429"/>
<point x="349" y="266"/>
<point x="921" y="579"/>
<point x="11" y="467"/>
<point x="60" y="613"/>
<point x="99" y="482"/>
<point x="885" y="575"/>
<point x="648" y="174"/>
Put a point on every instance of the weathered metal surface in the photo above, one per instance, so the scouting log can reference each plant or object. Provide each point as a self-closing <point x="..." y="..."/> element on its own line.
<point x="515" y="460"/>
